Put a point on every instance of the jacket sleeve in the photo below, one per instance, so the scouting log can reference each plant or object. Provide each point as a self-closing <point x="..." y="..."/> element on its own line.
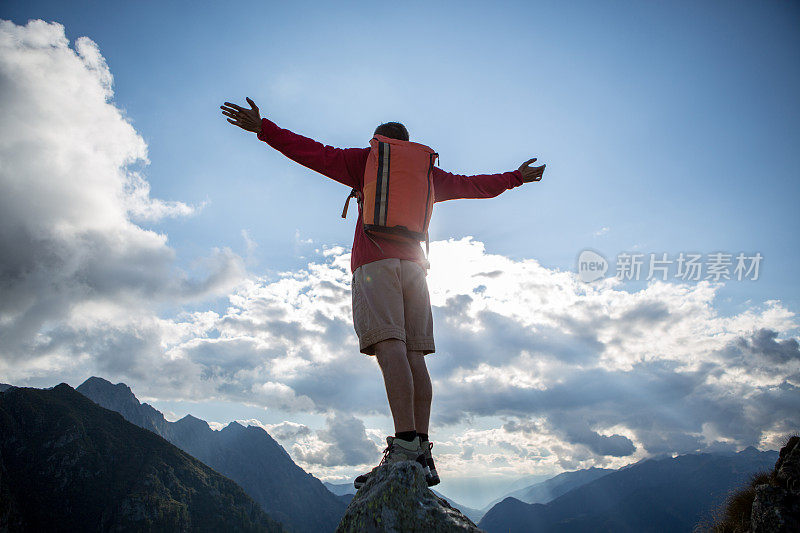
<point x="340" y="164"/>
<point x="447" y="186"/>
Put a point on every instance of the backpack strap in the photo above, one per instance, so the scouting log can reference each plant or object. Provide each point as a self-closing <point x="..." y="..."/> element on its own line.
<point x="353" y="194"/>
<point x="374" y="242"/>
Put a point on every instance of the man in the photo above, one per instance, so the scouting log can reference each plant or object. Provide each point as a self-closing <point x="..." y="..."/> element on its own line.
<point x="391" y="304"/>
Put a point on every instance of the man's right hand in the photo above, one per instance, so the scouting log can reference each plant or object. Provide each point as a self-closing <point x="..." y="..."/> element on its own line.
<point x="247" y="119"/>
<point x="530" y="174"/>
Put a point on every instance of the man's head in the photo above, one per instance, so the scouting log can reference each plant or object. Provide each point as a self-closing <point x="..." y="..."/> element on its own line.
<point x="393" y="130"/>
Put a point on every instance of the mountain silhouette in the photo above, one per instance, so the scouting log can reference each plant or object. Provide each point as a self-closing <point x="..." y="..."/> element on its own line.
<point x="68" y="464"/>
<point x="549" y="489"/>
<point x="667" y="494"/>
<point x="247" y="455"/>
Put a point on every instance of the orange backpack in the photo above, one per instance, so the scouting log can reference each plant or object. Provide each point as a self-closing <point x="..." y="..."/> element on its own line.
<point x="397" y="198"/>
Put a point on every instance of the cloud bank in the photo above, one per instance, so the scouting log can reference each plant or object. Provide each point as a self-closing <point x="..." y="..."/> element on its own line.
<point x="75" y="260"/>
<point x="564" y="374"/>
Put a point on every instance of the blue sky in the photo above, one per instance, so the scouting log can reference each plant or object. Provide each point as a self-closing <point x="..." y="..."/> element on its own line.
<point x="673" y="125"/>
<point x="665" y="127"/>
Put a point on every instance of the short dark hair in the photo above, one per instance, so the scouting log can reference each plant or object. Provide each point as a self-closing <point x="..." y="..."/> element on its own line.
<point x="393" y="130"/>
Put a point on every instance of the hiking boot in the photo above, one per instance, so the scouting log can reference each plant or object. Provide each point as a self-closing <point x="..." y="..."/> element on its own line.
<point x="430" y="474"/>
<point x="398" y="450"/>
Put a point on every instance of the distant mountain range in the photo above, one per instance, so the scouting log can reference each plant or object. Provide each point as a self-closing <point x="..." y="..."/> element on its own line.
<point x="344" y="492"/>
<point x="473" y="514"/>
<point x="340" y="489"/>
<point x="57" y="447"/>
<point x="549" y="489"/>
<point x="68" y="464"/>
<point x="248" y="455"/>
<point x="667" y="494"/>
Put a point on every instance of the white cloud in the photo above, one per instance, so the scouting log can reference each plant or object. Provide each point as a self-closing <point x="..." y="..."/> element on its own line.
<point x="250" y="244"/>
<point x="602" y="231"/>
<point x="286" y="432"/>
<point x="342" y="443"/>
<point x="70" y="247"/>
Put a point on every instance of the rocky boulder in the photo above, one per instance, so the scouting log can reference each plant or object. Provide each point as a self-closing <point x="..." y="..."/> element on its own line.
<point x="396" y="498"/>
<point x="776" y="507"/>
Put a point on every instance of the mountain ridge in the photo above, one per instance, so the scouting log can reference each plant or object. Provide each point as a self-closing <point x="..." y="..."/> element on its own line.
<point x="672" y="493"/>
<point x="57" y="448"/>
<point x="247" y="455"/>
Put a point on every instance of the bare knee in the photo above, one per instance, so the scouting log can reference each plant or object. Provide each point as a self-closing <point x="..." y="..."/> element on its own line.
<point x="389" y="351"/>
<point x="416" y="359"/>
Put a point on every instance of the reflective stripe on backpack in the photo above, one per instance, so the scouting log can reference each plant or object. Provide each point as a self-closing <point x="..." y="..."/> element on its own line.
<point x="382" y="187"/>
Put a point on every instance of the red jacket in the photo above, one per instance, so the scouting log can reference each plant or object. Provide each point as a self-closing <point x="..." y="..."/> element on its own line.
<point x="347" y="165"/>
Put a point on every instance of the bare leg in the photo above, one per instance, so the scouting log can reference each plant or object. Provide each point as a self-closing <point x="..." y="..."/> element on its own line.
<point x="397" y="377"/>
<point x="423" y="390"/>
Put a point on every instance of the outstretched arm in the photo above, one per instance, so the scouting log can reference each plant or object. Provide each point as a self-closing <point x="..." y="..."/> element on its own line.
<point x="336" y="163"/>
<point x="447" y="186"/>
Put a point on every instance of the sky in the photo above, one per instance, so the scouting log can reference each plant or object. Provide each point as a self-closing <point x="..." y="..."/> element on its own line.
<point x="146" y="240"/>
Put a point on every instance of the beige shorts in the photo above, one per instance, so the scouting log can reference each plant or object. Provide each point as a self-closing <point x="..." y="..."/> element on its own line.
<point x="391" y="301"/>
